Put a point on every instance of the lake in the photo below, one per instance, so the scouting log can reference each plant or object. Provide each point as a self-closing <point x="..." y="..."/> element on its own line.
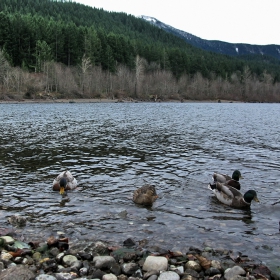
<point x="113" y="148"/>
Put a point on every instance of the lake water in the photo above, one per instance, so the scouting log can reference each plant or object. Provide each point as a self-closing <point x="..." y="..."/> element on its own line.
<point x="113" y="148"/>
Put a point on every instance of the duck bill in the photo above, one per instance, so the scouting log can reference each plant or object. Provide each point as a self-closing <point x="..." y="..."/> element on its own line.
<point x="241" y="177"/>
<point x="256" y="199"/>
<point x="61" y="191"/>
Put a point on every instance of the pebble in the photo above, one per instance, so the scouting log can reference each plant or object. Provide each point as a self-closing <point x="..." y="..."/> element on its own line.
<point x="98" y="261"/>
<point x="169" y="275"/>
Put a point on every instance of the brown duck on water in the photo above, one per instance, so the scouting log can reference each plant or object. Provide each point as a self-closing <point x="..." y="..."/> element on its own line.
<point x="146" y="195"/>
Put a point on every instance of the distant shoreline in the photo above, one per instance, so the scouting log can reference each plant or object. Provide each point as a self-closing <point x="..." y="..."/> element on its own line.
<point x="104" y="100"/>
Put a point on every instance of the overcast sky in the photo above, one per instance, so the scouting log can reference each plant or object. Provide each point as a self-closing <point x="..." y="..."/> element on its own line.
<point x="237" y="21"/>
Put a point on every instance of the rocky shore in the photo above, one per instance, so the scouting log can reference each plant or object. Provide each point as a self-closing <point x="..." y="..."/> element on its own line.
<point x="58" y="259"/>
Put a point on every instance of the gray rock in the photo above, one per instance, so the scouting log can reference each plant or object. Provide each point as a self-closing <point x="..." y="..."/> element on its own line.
<point x="192" y="273"/>
<point x="155" y="263"/>
<point x="193" y="265"/>
<point x="122" y="277"/>
<point x="230" y="273"/>
<point x="103" y="262"/>
<point x="115" y="269"/>
<point x="1" y="266"/>
<point x="169" y="275"/>
<point x="129" y="268"/>
<point x="17" y="272"/>
<point x="188" y="277"/>
<point x="227" y="263"/>
<point x="178" y="269"/>
<point x="109" y="277"/>
<point x="97" y="274"/>
<point x="11" y="264"/>
<point x="59" y="257"/>
<point x="83" y="271"/>
<point x="54" y="251"/>
<point x="18" y="260"/>
<point x="76" y="265"/>
<point x="65" y="276"/>
<point x="216" y="264"/>
<point x="150" y="273"/>
<point x="100" y="248"/>
<point x="238" y="277"/>
<point x="212" y="271"/>
<point x="69" y="260"/>
<point x="45" y="277"/>
<point x="138" y="273"/>
<point x="8" y="239"/>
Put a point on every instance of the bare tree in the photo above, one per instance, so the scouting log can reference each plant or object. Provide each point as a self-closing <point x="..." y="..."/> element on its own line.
<point x="85" y="65"/>
<point x="139" y="69"/>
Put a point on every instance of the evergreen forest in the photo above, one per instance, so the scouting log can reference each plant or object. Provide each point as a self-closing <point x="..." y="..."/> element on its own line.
<point x="62" y="49"/>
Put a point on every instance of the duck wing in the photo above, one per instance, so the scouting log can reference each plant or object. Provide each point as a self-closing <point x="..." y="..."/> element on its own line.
<point x="221" y="178"/>
<point x="228" y="190"/>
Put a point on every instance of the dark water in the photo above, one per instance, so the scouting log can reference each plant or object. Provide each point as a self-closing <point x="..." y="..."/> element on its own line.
<point x="113" y="148"/>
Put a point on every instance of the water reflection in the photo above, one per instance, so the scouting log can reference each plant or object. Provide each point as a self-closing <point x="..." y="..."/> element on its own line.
<point x="114" y="148"/>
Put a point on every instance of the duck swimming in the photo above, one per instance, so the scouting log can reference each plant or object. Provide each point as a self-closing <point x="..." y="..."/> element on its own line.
<point x="64" y="181"/>
<point x="232" y="181"/>
<point x="146" y="195"/>
<point x="231" y="196"/>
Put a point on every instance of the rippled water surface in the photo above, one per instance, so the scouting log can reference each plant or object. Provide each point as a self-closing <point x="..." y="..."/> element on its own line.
<point x="113" y="148"/>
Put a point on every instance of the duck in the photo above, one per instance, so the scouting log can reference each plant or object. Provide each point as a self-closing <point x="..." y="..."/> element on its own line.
<point x="232" y="181"/>
<point x="64" y="181"/>
<point x="232" y="197"/>
<point x="145" y="195"/>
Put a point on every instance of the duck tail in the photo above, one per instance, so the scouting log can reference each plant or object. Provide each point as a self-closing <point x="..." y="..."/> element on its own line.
<point x="211" y="186"/>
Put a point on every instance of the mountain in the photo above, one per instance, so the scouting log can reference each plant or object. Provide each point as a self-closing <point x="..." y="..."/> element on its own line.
<point x="216" y="46"/>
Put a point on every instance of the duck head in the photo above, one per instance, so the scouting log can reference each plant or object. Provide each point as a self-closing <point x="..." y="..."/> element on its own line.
<point x="251" y="195"/>
<point x="236" y="175"/>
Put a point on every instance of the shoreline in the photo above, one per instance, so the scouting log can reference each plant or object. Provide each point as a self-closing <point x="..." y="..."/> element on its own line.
<point x="106" y="100"/>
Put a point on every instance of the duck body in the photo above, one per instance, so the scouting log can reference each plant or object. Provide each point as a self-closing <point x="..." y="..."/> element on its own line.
<point x="64" y="181"/>
<point x="232" y="181"/>
<point x="230" y="196"/>
<point x="146" y="195"/>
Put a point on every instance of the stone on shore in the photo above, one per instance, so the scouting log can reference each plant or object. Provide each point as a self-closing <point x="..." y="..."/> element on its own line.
<point x="103" y="262"/>
<point x="109" y="277"/>
<point x="155" y="263"/>
<point x="231" y="273"/>
<point x="19" y="272"/>
<point x="169" y="275"/>
<point x="45" y="277"/>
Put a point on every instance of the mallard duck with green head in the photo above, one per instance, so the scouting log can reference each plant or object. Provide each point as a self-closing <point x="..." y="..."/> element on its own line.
<point x="231" y="196"/>
<point x="146" y="195"/>
<point x="232" y="181"/>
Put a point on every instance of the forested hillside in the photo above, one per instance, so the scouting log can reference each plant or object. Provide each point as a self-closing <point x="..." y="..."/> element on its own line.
<point x="65" y="49"/>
